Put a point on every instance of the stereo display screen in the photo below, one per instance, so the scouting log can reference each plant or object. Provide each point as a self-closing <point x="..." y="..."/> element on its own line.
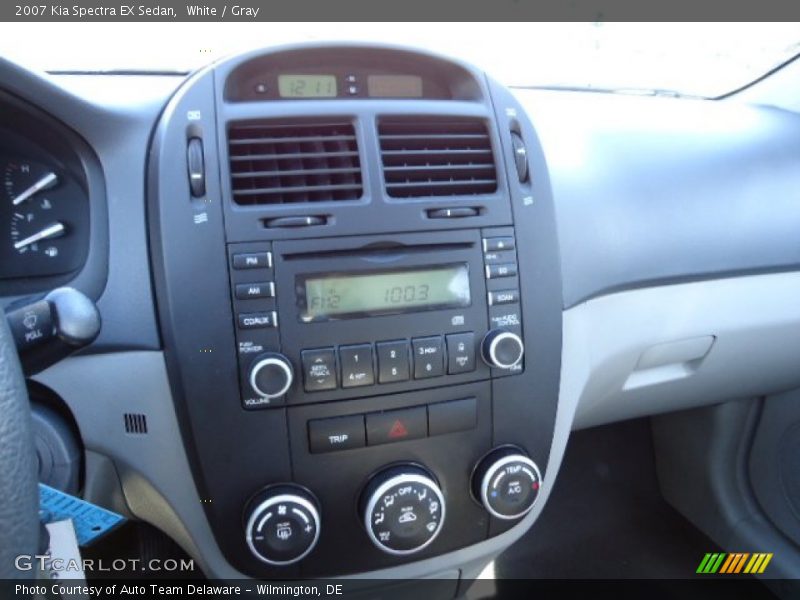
<point x="332" y="296"/>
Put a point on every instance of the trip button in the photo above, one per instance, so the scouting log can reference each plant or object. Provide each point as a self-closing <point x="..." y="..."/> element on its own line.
<point x="428" y="357"/>
<point x="340" y="433"/>
<point x="501" y="270"/>
<point x="397" y="425"/>
<point x="356" y="364"/>
<point x="460" y="353"/>
<point x="319" y="369"/>
<point x="393" y="361"/>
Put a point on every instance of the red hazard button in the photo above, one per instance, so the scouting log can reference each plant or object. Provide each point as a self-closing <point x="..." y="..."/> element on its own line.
<point x="397" y="425"/>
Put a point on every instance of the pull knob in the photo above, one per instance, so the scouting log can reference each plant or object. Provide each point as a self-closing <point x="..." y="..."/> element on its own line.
<point x="271" y="375"/>
<point x="502" y="349"/>
<point x="53" y="328"/>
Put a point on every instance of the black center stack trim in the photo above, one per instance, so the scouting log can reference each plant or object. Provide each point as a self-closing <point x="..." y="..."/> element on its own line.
<point x="303" y="189"/>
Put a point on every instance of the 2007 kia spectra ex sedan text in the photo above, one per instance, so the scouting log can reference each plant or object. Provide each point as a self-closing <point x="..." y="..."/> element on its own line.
<point x="518" y="302"/>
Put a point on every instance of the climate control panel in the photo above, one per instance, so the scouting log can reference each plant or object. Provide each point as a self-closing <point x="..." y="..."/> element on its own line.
<point x="402" y="507"/>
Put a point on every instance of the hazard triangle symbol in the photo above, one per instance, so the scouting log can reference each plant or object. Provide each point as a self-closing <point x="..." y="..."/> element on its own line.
<point x="398" y="430"/>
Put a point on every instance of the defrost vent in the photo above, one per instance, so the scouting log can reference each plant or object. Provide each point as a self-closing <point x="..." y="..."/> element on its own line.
<point x="293" y="161"/>
<point x="436" y="156"/>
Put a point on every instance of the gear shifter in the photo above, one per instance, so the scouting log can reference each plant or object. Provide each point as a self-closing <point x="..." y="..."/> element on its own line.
<point x="52" y="328"/>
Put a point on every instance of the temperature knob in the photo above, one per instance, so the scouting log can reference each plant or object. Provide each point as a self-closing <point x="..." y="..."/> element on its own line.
<point x="502" y="349"/>
<point x="507" y="483"/>
<point x="271" y="375"/>
<point x="282" y="524"/>
<point x="403" y="510"/>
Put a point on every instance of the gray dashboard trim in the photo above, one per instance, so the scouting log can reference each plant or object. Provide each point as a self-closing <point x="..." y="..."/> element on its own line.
<point x="754" y="323"/>
<point x="655" y="191"/>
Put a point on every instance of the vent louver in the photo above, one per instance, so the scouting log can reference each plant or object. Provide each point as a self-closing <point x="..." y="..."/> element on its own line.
<point x="287" y="162"/>
<point x="436" y="156"/>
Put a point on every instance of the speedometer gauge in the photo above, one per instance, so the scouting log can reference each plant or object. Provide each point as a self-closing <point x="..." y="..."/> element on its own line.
<point x="45" y="212"/>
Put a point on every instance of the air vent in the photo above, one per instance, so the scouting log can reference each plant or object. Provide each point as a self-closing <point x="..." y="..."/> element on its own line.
<point x="291" y="162"/>
<point x="436" y="156"/>
<point x="135" y="423"/>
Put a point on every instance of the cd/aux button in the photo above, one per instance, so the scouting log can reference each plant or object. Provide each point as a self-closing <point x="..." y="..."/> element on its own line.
<point x="258" y="320"/>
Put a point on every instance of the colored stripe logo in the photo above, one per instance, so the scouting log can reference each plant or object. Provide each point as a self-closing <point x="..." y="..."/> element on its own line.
<point x="734" y="563"/>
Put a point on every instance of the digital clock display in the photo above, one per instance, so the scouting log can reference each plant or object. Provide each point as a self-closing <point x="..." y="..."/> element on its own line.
<point x="349" y="295"/>
<point x="307" y="86"/>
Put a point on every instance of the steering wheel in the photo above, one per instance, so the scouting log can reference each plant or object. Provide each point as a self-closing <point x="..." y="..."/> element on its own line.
<point x="19" y="496"/>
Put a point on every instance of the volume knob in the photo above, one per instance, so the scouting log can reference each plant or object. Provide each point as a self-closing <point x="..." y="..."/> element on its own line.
<point x="502" y="349"/>
<point x="271" y="375"/>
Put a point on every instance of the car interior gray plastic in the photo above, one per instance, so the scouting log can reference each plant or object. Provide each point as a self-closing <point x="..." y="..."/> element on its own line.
<point x="773" y="464"/>
<point x="653" y="191"/>
<point x="702" y="463"/>
<point x="649" y="192"/>
<point x="756" y="347"/>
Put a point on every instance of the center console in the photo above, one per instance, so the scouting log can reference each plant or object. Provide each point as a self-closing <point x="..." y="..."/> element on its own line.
<point x="357" y="281"/>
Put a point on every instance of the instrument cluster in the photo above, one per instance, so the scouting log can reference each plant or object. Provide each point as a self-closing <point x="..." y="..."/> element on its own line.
<point x="44" y="213"/>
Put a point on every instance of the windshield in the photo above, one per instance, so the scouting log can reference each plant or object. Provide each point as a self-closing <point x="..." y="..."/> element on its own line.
<point x="699" y="59"/>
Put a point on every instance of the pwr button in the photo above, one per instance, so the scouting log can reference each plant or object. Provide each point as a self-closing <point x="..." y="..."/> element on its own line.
<point x="397" y="425"/>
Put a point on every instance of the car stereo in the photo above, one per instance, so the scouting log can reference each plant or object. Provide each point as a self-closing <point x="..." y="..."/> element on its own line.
<point x="374" y="314"/>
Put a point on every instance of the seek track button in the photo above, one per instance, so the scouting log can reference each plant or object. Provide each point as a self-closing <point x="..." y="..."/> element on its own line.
<point x="319" y="369"/>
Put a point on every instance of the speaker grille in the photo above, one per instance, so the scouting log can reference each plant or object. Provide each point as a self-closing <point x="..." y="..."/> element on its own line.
<point x="135" y="423"/>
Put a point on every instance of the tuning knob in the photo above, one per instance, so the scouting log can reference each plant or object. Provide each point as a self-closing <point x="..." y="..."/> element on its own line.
<point x="282" y="524"/>
<point x="403" y="509"/>
<point x="507" y="483"/>
<point x="271" y="375"/>
<point x="502" y="349"/>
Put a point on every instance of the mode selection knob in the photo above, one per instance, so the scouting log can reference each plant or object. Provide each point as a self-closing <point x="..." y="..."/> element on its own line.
<point x="271" y="375"/>
<point x="502" y="349"/>
<point x="403" y="510"/>
<point x="282" y="524"/>
<point x="507" y="483"/>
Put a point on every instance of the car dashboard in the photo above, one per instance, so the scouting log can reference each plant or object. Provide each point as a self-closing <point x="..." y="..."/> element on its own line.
<point x="355" y="298"/>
